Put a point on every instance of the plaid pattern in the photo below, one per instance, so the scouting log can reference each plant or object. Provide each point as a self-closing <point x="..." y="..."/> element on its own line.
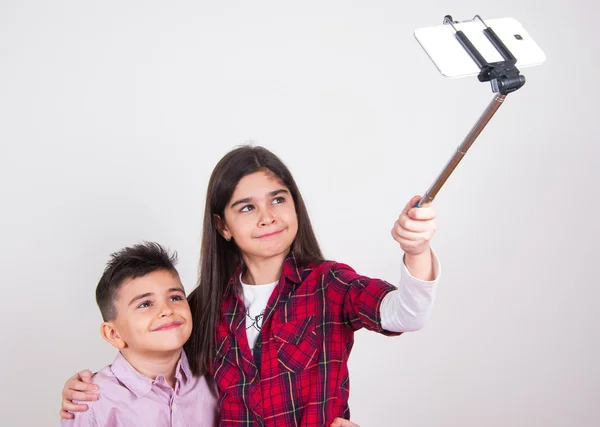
<point x="298" y="375"/>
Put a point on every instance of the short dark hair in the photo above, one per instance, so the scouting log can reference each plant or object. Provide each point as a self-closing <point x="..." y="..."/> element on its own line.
<point x="130" y="263"/>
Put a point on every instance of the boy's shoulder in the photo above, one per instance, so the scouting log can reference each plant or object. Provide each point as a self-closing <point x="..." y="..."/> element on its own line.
<point x="106" y="378"/>
<point x="111" y="392"/>
<point x="123" y="396"/>
<point x="120" y="382"/>
<point x="118" y="385"/>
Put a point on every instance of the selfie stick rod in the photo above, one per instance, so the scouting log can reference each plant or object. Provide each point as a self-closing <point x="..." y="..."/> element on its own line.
<point x="504" y="78"/>
<point x="462" y="150"/>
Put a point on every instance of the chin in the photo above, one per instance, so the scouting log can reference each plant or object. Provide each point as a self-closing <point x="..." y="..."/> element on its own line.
<point x="271" y="254"/>
<point x="169" y="348"/>
<point x="276" y="250"/>
<point x="170" y="345"/>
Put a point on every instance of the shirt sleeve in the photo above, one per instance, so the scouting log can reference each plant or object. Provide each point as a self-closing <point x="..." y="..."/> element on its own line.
<point x="358" y="297"/>
<point x="407" y="308"/>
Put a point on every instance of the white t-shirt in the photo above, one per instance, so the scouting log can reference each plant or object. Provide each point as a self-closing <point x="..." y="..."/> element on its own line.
<point x="256" y="298"/>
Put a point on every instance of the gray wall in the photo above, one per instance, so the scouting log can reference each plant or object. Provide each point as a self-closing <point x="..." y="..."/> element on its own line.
<point x="114" y="114"/>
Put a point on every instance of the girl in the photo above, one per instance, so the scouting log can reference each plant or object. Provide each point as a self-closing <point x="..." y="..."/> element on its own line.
<point x="275" y="322"/>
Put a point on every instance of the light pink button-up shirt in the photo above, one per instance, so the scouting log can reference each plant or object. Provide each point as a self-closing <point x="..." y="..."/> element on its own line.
<point x="128" y="398"/>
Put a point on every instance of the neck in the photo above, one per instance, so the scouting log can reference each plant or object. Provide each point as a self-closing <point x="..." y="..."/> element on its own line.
<point x="260" y="271"/>
<point x="153" y="365"/>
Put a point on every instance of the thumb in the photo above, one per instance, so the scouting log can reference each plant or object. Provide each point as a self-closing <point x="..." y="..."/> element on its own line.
<point x="411" y="204"/>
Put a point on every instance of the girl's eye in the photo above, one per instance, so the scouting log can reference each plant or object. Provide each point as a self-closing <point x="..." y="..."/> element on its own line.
<point x="278" y="200"/>
<point x="145" y="304"/>
<point x="176" y="298"/>
<point x="247" y="208"/>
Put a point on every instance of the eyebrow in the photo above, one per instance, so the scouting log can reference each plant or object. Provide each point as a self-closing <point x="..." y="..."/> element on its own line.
<point x="148" y="294"/>
<point x="249" y="199"/>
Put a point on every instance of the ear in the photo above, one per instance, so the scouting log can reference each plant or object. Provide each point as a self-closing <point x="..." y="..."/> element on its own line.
<point x="222" y="227"/>
<point x="109" y="332"/>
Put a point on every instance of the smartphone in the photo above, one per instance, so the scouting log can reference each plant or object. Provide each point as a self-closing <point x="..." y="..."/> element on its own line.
<point x="453" y="61"/>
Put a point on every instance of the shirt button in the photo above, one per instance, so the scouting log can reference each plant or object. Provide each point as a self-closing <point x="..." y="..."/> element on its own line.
<point x="258" y="344"/>
<point x="258" y="418"/>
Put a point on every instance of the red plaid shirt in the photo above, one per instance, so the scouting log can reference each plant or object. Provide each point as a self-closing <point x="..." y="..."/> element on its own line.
<point x="298" y="375"/>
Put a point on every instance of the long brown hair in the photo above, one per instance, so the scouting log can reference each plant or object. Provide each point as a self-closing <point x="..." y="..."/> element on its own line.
<point x="219" y="258"/>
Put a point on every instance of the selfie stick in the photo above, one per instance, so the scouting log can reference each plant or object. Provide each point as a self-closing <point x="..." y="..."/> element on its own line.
<point x="504" y="78"/>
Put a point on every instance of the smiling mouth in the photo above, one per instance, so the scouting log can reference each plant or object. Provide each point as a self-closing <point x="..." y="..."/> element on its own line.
<point x="167" y="326"/>
<point x="264" y="236"/>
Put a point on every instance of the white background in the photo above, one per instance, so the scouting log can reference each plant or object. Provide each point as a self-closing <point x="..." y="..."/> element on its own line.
<point x="113" y="114"/>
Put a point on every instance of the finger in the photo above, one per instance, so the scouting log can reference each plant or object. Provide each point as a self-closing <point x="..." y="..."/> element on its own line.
<point x="422" y="214"/>
<point x="411" y="246"/>
<point x="80" y="395"/>
<point x="411" y="204"/>
<point x="415" y="226"/>
<point x="73" y="407"/>
<point x="399" y="233"/>
<point x="74" y="384"/>
<point x="66" y="415"/>
<point x="86" y="375"/>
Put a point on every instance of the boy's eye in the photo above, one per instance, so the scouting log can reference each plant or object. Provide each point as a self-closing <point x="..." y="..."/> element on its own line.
<point x="145" y="304"/>
<point x="247" y="208"/>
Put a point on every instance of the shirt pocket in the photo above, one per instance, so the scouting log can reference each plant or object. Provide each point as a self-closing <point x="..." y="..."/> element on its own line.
<point x="297" y="344"/>
<point x="226" y="372"/>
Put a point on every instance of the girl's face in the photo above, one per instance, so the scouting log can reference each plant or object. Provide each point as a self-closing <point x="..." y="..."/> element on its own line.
<point x="260" y="217"/>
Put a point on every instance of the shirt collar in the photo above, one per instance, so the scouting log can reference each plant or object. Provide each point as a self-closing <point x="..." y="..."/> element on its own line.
<point x="141" y="385"/>
<point x="290" y="271"/>
<point x="183" y="370"/>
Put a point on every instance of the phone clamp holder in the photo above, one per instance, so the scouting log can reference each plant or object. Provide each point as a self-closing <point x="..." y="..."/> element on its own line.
<point x="503" y="75"/>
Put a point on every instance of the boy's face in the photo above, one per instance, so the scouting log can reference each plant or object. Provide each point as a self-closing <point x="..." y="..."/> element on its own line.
<point x="153" y="314"/>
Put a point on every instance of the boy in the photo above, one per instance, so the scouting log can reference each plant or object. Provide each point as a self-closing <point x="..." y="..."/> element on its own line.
<point x="148" y="319"/>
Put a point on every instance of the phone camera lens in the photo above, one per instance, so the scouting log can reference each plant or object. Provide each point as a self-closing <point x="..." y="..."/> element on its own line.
<point x="518" y="37"/>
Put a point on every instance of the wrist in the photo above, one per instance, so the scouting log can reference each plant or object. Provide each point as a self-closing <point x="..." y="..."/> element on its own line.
<point x="412" y="254"/>
<point x="420" y="265"/>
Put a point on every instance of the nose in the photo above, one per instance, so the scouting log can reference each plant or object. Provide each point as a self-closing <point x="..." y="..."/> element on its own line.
<point x="266" y="217"/>
<point x="165" y="310"/>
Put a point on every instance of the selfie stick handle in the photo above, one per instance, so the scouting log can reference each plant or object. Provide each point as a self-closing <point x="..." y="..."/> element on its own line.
<point x="504" y="78"/>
